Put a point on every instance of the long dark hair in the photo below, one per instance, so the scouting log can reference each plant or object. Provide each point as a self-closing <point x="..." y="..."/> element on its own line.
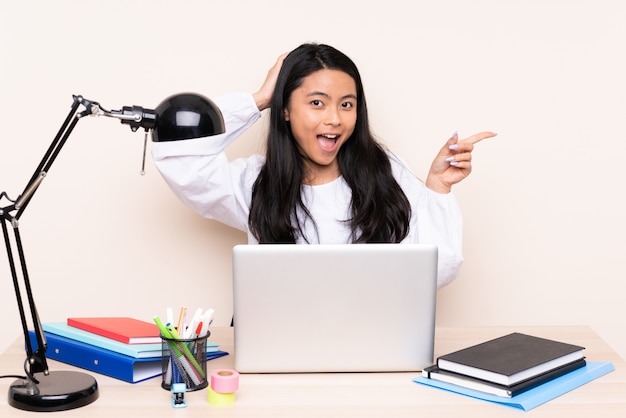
<point x="380" y="211"/>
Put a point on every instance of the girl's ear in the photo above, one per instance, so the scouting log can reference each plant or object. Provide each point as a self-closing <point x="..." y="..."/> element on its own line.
<point x="286" y="114"/>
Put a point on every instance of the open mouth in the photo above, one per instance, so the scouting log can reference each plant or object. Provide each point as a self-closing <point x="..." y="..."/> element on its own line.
<point x="328" y="142"/>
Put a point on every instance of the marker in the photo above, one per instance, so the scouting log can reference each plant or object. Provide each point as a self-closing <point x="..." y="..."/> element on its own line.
<point x="206" y="320"/>
<point x="186" y="353"/>
<point x="181" y="359"/>
<point x="198" y="329"/>
<point x="164" y="331"/>
<point x="193" y="324"/>
<point x="200" y="349"/>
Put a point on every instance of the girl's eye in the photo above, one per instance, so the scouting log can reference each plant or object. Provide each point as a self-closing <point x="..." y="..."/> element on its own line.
<point x="347" y="105"/>
<point x="316" y="102"/>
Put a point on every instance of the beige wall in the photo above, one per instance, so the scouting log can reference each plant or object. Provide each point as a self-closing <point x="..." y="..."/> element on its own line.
<point x="545" y="232"/>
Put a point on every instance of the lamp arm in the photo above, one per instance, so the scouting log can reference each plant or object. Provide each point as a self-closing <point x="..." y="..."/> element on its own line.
<point x="134" y="116"/>
<point x="47" y="160"/>
<point x="35" y="359"/>
<point x="181" y="116"/>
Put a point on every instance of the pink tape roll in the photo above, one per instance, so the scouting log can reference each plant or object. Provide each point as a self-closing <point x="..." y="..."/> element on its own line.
<point x="225" y="381"/>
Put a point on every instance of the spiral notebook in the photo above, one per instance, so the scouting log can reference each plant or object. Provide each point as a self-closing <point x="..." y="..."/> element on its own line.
<point x="334" y="308"/>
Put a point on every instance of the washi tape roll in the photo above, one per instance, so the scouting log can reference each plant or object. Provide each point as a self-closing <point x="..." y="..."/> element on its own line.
<point x="225" y="381"/>
<point x="220" y="399"/>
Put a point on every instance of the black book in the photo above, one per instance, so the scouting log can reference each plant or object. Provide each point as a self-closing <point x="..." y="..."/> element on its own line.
<point x="510" y="359"/>
<point x="468" y="382"/>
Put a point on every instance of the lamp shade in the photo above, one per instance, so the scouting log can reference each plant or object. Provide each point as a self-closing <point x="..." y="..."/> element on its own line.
<point x="187" y="116"/>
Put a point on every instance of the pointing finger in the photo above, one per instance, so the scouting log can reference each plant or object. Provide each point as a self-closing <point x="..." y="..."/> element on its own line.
<point x="479" y="137"/>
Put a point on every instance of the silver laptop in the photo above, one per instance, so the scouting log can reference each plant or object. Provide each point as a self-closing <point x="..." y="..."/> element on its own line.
<point x="334" y="308"/>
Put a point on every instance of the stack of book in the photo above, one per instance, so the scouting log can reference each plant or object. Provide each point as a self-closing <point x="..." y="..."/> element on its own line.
<point x="514" y="366"/>
<point x="120" y="347"/>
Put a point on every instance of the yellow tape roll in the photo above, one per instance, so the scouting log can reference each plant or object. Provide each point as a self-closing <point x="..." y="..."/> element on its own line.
<point x="220" y="398"/>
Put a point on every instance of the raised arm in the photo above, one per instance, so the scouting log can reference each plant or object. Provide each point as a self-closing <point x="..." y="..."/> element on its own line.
<point x="263" y="96"/>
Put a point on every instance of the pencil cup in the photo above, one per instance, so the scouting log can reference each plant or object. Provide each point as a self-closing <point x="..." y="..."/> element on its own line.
<point x="184" y="361"/>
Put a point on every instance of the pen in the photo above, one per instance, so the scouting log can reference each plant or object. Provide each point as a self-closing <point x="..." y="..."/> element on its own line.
<point x="168" y="373"/>
<point x="189" y="373"/>
<point x="180" y="358"/>
<point x="181" y="320"/>
<point x="169" y="315"/>
<point x="166" y="334"/>
<point x="186" y="353"/>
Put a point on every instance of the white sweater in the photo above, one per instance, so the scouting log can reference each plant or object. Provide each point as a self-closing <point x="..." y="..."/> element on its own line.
<point x="199" y="173"/>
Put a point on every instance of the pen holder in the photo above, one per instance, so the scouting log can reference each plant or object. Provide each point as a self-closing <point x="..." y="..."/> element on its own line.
<point x="184" y="361"/>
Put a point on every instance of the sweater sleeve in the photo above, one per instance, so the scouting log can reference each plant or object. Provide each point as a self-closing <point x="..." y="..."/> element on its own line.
<point x="435" y="219"/>
<point x="439" y="221"/>
<point x="198" y="170"/>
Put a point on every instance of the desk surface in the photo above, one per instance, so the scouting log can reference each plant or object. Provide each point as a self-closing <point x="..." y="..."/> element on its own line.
<point x="346" y="394"/>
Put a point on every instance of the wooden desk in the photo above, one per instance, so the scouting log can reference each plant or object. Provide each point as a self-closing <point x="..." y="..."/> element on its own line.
<point x="388" y="395"/>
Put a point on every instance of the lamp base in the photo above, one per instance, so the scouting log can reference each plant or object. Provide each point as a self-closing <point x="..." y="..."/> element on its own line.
<point x="57" y="391"/>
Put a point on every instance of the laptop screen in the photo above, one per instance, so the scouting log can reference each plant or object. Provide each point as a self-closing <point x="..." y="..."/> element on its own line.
<point x="334" y="308"/>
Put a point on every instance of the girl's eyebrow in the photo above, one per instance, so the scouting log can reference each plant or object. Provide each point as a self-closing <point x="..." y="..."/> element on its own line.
<point x="321" y="93"/>
<point x="317" y="93"/>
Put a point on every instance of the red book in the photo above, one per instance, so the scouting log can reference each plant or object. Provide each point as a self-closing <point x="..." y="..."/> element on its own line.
<point x="124" y="329"/>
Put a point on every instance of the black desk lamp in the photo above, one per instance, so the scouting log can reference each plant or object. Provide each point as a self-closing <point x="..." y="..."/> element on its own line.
<point x="182" y="116"/>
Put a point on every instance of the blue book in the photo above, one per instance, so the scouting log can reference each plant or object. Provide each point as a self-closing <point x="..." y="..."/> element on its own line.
<point x="536" y="396"/>
<point x="106" y="362"/>
<point x="132" y="350"/>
